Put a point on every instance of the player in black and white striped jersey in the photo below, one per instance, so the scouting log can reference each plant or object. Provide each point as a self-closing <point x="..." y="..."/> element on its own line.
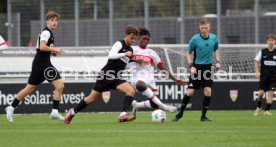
<point x="42" y="69"/>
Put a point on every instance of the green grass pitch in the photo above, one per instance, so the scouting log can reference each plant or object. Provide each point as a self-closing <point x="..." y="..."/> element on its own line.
<point x="228" y="129"/>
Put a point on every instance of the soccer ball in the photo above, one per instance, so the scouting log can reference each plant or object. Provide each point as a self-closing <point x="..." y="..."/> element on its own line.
<point x="158" y="116"/>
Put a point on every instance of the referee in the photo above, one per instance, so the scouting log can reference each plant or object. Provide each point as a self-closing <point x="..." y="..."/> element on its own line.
<point x="204" y="47"/>
<point x="267" y="58"/>
<point x="42" y="69"/>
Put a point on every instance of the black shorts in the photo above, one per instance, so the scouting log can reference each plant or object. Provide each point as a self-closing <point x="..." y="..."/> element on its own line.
<point x="42" y="73"/>
<point x="267" y="83"/>
<point x="203" y="77"/>
<point x="105" y="83"/>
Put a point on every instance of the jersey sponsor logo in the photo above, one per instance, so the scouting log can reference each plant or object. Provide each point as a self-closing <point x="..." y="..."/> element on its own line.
<point x="145" y="59"/>
<point x="270" y="63"/>
<point x="233" y="95"/>
<point x="125" y="59"/>
<point x="106" y="96"/>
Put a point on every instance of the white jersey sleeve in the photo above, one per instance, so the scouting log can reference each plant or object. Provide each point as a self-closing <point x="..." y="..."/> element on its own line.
<point x="114" y="52"/>
<point x="259" y="56"/>
<point x="45" y="35"/>
<point x="156" y="59"/>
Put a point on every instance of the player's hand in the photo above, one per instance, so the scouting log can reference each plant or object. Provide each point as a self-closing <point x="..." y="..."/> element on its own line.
<point x="193" y="70"/>
<point x="180" y="82"/>
<point x="56" y="52"/>
<point x="217" y="65"/>
<point x="128" y="53"/>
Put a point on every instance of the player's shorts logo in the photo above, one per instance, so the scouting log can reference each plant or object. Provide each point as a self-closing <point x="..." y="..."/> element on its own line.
<point x="233" y="95"/>
<point x="50" y="73"/>
<point x="106" y="96"/>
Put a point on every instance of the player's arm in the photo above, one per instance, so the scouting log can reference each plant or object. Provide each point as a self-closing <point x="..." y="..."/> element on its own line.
<point x="114" y="52"/>
<point x="216" y="55"/>
<point x="216" y="58"/>
<point x="44" y="37"/>
<point x="189" y="57"/>
<point x="256" y="64"/>
<point x="161" y="66"/>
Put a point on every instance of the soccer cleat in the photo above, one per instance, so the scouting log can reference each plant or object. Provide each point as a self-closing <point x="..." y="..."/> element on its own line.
<point x="267" y="113"/>
<point x="55" y="115"/>
<point x="177" y="117"/>
<point x="126" y="117"/>
<point x="168" y="108"/>
<point x="134" y="107"/>
<point x="257" y="111"/>
<point x="205" y="119"/>
<point x="9" y="113"/>
<point x="69" y="116"/>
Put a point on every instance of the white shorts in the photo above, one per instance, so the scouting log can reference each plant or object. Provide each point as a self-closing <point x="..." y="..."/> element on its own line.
<point x="147" y="79"/>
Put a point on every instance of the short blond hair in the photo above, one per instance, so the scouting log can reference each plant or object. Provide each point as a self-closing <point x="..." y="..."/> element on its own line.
<point x="51" y="14"/>
<point x="203" y="21"/>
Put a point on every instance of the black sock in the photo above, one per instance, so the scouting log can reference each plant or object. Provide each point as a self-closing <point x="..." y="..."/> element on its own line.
<point x="206" y="103"/>
<point x="15" y="103"/>
<point x="153" y="105"/>
<point x="55" y="104"/>
<point x="184" y="104"/>
<point x="267" y="108"/>
<point x="80" y="106"/>
<point x="127" y="103"/>
<point x="260" y="104"/>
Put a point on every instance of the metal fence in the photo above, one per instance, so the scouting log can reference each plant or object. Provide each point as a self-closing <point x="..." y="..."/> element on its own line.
<point x="101" y="22"/>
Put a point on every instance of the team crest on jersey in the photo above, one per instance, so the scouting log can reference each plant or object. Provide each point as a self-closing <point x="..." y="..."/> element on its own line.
<point x="106" y="96"/>
<point x="233" y="95"/>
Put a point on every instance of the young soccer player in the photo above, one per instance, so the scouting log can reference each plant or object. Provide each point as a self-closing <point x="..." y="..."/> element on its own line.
<point x="142" y="71"/>
<point x="205" y="48"/>
<point x="267" y="79"/>
<point x="110" y="77"/>
<point x="42" y="69"/>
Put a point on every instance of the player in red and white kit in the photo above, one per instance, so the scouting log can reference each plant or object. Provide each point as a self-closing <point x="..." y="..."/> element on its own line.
<point x="142" y="74"/>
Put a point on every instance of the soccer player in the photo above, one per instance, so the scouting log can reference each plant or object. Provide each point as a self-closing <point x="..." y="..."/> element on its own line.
<point x="204" y="47"/>
<point x="3" y="44"/>
<point x="42" y="68"/>
<point x="267" y="79"/>
<point x="110" y="77"/>
<point x="143" y="74"/>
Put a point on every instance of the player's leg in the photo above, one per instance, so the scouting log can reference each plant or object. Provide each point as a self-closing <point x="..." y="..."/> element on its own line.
<point x="91" y="98"/>
<point x="206" y="103"/>
<point x="59" y="86"/>
<point x="28" y="89"/>
<point x="259" y="102"/>
<point x="262" y="87"/>
<point x="269" y="101"/>
<point x="129" y="92"/>
<point x="193" y="85"/>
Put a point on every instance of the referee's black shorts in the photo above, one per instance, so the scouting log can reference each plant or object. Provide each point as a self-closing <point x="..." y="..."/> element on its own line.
<point x="267" y="83"/>
<point x="105" y="83"/>
<point x="42" y="73"/>
<point x="203" y="77"/>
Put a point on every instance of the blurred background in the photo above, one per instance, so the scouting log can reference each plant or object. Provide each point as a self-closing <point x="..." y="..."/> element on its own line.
<point x="101" y="22"/>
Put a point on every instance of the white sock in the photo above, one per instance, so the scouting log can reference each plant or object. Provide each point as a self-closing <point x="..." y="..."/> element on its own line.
<point x="123" y="113"/>
<point x="54" y="110"/>
<point x="149" y="93"/>
<point x="143" y="104"/>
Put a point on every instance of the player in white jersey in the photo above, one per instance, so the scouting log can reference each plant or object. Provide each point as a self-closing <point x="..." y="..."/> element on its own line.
<point x="3" y="44"/>
<point x="143" y="74"/>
